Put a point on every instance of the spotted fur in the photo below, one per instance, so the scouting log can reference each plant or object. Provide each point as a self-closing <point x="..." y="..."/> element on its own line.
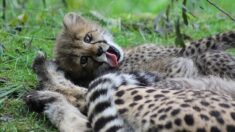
<point x="221" y="41"/>
<point x="144" y="102"/>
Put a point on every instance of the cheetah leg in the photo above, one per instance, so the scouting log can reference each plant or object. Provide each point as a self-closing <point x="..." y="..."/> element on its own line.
<point x="216" y="63"/>
<point x="50" y="78"/>
<point x="180" y="67"/>
<point x="221" y="41"/>
<point x="61" y="113"/>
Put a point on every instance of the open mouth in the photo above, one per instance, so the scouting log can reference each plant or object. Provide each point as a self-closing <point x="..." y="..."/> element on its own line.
<point x="113" y="56"/>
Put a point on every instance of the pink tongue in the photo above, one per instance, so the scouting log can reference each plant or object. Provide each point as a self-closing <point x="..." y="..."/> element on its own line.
<point x="112" y="59"/>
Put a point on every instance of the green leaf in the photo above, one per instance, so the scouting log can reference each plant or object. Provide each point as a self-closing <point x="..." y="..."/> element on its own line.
<point x="23" y="18"/>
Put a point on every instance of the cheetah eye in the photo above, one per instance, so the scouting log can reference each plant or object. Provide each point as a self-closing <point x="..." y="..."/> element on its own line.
<point x="83" y="60"/>
<point x="88" y="38"/>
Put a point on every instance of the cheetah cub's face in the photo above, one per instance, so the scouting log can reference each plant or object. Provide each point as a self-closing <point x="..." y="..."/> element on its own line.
<point x="83" y="47"/>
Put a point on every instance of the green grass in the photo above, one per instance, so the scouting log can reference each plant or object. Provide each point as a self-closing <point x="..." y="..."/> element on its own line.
<point x="40" y="25"/>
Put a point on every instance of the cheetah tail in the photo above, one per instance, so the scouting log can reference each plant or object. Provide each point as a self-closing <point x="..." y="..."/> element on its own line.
<point x="100" y="93"/>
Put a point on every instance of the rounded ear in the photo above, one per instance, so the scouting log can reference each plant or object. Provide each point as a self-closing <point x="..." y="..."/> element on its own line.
<point x="71" y="19"/>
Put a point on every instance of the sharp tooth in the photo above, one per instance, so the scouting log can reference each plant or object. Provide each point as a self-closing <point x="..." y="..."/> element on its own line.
<point x="101" y="58"/>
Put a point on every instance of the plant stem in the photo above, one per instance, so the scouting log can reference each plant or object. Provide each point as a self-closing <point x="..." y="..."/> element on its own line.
<point x="220" y="9"/>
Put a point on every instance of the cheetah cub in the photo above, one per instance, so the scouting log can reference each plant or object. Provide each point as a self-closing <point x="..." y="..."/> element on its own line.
<point x="84" y="49"/>
<point x="138" y="102"/>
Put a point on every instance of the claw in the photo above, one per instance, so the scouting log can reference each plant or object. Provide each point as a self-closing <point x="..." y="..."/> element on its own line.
<point x="37" y="100"/>
<point x="39" y="61"/>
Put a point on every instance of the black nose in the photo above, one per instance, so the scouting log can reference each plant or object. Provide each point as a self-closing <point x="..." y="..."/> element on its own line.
<point x="100" y="51"/>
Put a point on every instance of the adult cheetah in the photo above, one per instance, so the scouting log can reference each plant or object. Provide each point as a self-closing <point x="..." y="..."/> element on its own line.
<point x="138" y="102"/>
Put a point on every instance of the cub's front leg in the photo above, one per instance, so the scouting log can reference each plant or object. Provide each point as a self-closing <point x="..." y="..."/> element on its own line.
<point x="52" y="79"/>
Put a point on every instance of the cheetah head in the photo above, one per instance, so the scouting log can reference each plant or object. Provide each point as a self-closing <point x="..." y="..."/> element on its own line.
<point x="84" y="47"/>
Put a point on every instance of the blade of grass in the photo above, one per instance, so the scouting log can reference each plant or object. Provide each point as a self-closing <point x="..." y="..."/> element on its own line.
<point x="5" y="91"/>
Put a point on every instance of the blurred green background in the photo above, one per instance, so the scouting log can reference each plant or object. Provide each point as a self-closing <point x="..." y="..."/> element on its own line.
<point x="32" y="25"/>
